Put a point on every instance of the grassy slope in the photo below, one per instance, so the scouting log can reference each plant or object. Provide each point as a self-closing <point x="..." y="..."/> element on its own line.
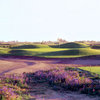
<point x="4" y="51"/>
<point x="48" y="51"/>
<point x="92" y="69"/>
<point x="34" y="52"/>
<point x="30" y="46"/>
<point x="71" y="45"/>
<point x="55" y="52"/>
<point x="76" y="52"/>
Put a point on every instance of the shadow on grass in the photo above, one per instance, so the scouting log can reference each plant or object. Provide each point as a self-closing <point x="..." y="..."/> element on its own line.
<point x="19" y="53"/>
<point x="70" y="45"/>
<point x="22" y="53"/>
<point x="24" y="47"/>
<point x="36" y="55"/>
<point x="62" y="53"/>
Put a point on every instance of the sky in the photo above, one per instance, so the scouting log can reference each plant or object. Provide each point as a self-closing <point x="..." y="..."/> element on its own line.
<point x="44" y="20"/>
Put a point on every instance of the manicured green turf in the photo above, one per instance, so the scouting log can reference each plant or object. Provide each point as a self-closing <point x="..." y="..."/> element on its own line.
<point x="55" y="52"/>
<point x="92" y="69"/>
<point x="34" y="52"/>
<point x="73" y="52"/>
<point x="71" y="45"/>
<point x="66" y="45"/>
<point x="68" y="50"/>
<point x="4" y="51"/>
<point x="30" y="46"/>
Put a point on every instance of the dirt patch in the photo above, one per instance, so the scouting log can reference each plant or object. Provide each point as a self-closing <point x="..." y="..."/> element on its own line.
<point x="86" y="62"/>
<point x="42" y="91"/>
<point x="13" y="65"/>
<point x="19" y="65"/>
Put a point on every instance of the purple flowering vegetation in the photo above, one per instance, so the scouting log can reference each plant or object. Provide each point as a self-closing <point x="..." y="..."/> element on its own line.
<point x="13" y="86"/>
<point x="72" y="79"/>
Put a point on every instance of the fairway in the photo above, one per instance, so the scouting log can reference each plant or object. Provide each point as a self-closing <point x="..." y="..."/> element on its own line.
<point x="67" y="50"/>
<point x="71" y="45"/>
<point x="61" y="52"/>
<point x="49" y="52"/>
<point x="53" y="52"/>
<point x="92" y="69"/>
<point x="4" y="51"/>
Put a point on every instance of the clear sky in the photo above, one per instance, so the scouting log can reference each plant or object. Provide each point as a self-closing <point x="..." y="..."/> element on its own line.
<point x="37" y="20"/>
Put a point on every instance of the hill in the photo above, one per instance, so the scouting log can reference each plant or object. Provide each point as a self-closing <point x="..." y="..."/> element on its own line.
<point x="30" y="46"/>
<point x="71" y="45"/>
<point x="72" y="53"/>
<point x="71" y="49"/>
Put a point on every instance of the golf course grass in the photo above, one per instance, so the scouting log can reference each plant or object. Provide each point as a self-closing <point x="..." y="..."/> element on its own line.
<point x="68" y="50"/>
<point x="71" y="45"/>
<point x="95" y="69"/>
<point x="29" y="46"/>
<point x="4" y="51"/>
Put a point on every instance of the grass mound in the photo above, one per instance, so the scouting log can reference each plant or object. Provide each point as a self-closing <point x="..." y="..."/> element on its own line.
<point x="71" y="45"/>
<point x="73" y="52"/>
<point x="32" y="52"/>
<point x="54" y="52"/>
<point x="63" y="51"/>
<point x="30" y="46"/>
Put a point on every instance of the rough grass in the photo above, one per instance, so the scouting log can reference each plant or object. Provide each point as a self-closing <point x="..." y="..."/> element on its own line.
<point x="13" y="87"/>
<point x="95" y="69"/>
<point x="69" y="79"/>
